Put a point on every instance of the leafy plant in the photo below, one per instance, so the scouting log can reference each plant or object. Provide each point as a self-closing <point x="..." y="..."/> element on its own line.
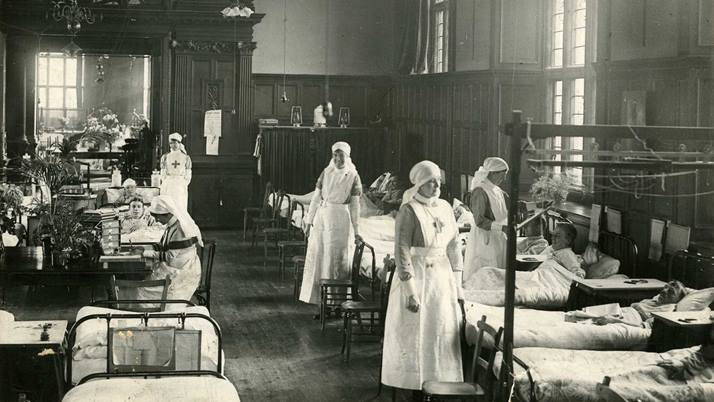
<point x="61" y="224"/>
<point x="51" y="171"/>
<point x="10" y="197"/>
<point x="550" y="189"/>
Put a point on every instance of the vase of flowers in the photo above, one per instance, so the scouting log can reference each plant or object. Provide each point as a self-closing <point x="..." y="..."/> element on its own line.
<point x="549" y="189"/>
<point x="102" y="129"/>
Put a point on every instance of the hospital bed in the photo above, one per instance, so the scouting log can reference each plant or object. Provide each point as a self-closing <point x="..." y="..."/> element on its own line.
<point x="558" y="375"/>
<point x="537" y="328"/>
<point x="549" y="285"/>
<point x="193" y="372"/>
<point x="89" y="336"/>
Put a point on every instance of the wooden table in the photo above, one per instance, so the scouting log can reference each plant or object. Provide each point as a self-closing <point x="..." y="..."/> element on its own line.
<point x="23" y="338"/>
<point x="26" y="266"/>
<point x="679" y="329"/>
<point x="593" y="292"/>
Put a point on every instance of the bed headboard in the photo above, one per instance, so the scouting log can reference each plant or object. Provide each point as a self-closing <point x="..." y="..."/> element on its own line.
<point x="622" y="248"/>
<point x="145" y="318"/>
<point x="694" y="270"/>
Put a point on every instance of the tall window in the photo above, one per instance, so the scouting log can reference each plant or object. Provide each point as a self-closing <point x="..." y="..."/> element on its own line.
<point x="57" y="83"/>
<point x="440" y="54"/>
<point x="566" y="72"/>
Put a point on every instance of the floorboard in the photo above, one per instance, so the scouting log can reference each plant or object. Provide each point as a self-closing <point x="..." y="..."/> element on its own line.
<point x="275" y="350"/>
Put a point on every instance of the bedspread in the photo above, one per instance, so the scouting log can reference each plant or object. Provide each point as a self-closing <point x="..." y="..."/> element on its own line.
<point x="195" y="389"/>
<point x="548" y="329"/>
<point x="546" y="286"/>
<point x="571" y="375"/>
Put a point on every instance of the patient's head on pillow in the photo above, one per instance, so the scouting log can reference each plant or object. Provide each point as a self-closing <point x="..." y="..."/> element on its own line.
<point x="696" y="300"/>
<point x="533" y="228"/>
<point x="672" y="292"/>
<point x="564" y="236"/>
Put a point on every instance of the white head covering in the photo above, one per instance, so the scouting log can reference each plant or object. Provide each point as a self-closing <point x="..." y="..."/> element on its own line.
<point x="491" y="164"/>
<point x="349" y="166"/>
<point x="128" y="182"/>
<point x="178" y="137"/>
<point x="164" y="204"/>
<point x="342" y="146"/>
<point x="420" y="174"/>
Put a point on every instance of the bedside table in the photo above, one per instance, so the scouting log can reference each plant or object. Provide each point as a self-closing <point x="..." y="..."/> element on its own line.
<point x="679" y="329"/>
<point x="593" y="292"/>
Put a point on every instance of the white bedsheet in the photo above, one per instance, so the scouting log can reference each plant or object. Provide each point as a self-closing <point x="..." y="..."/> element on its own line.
<point x="149" y="234"/>
<point x="548" y="329"/>
<point x="90" y="346"/>
<point x="546" y="286"/>
<point x="571" y="375"/>
<point x="194" y="389"/>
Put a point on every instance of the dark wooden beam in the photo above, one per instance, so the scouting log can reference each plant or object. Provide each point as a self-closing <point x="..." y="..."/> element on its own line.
<point x="603" y="131"/>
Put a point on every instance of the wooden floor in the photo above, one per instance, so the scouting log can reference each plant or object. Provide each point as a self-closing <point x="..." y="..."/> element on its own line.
<point x="274" y="349"/>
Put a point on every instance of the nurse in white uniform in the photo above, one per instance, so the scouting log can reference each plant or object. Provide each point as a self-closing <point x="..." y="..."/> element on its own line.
<point x="486" y="246"/>
<point x="176" y="172"/>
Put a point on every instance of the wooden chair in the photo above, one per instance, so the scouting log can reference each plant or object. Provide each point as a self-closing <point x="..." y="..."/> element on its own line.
<point x="506" y="378"/>
<point x="333" y="292"/>
<point x="606" y="394"/>
<point x="480" y="386"/>
<point x="266" y="217"/>
<point x="121" y="289"/>
<point x="247" y="211"/>
<point x="285" y="247"/>
<point x="355" y="311"/>
<point x="298" y="268"/>
<point x="278" y="227"/>
<point x="206" y="255"/>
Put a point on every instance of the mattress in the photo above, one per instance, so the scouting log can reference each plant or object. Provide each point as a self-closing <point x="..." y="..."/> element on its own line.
<point x="90" y="347"/>
<point x="195" y="389"/>
<point x="571" y="375"/>
<point x="548" y="329"/>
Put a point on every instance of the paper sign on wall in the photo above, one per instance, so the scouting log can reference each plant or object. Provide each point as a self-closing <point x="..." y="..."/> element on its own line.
<point x="594" y="233"/>
<point x="656" y="234"/>
<point x="677" y="238"/>
<point x="614" y="221"/>
<point x="212" y="130"/>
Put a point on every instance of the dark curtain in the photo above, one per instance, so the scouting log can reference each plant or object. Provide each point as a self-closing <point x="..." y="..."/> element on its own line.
<point x="415" y="36"/>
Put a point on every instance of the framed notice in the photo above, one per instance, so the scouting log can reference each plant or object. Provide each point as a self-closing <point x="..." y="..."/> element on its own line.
<point x="614" y="221"/>
<point x="677" y="238"/>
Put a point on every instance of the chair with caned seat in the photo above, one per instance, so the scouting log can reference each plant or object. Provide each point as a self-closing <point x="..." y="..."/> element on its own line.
<point x="606" y="394"/>
<point x="206" y="255"/>
<point x="369" y="316"/>
<point x="333" y="292"/>
<point x="293" y="242"/>
<point x="480" y="386"/>
<point x="279" y="227"/>
<point x="266" y="216"/>
<point x="256" y="210"/>
<point x="298" y="268"/>
<point x="121" y="289"/>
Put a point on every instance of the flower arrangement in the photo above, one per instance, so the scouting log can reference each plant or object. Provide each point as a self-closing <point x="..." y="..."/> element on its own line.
<point x="60" y="228"/>
<point x="102" y="127"/>
<point x="550" y="189"/>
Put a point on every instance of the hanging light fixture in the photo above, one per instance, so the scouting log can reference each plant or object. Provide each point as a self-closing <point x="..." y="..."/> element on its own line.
<point x="284" y="97"/>
<point x="72" y="14"/>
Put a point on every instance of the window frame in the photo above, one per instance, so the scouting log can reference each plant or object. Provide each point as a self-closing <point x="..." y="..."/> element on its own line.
<point x="567" y="72"/>
<point x="44" y="119"/>
<point x="440" y="6"/>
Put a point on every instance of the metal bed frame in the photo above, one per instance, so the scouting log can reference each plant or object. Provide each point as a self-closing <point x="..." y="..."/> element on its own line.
<point x="144" y="317"/>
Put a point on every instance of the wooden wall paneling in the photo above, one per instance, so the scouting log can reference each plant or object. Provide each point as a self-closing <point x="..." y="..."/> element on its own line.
<point x="3" y="63"/>
<point x="265" y="97"/>
<point x="637" y="226"/>
<point x="519" y="39"/>
<point x="246" y="131"/>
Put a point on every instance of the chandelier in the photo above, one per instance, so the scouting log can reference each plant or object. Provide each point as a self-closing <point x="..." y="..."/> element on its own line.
<point x="72" y="14"/>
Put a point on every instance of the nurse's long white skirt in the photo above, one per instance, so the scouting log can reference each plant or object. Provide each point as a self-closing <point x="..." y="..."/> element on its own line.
<point x="327" y="255"/>
<point x="176" y="188"/>
<point x="426" y="345"/>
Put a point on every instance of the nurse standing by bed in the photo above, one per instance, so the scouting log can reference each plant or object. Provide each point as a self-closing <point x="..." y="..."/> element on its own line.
<point x="421" y="339"/>
<point x="487" y="240"/>
<point x="333" y="215"/>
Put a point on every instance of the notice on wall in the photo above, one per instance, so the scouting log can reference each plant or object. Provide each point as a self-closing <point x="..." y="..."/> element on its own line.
<point x="594" y="234"/>
<point x="212" y="130"/>
<point x="614" y="221"/>
<point x="656" y="233"/>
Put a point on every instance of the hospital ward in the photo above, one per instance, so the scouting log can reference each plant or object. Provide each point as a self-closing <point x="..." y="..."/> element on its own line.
<point x="356" y="200"/>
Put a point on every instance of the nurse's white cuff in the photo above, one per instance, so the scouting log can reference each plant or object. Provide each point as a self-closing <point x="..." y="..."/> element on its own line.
<point x="410" y="287"/>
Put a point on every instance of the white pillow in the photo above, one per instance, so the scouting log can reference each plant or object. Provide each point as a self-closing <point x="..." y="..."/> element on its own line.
<point x="697" y="300"/>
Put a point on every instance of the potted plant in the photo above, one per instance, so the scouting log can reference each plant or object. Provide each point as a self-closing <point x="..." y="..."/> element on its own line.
<point x="549" y="190"/>
<point x="64" y="238"/>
